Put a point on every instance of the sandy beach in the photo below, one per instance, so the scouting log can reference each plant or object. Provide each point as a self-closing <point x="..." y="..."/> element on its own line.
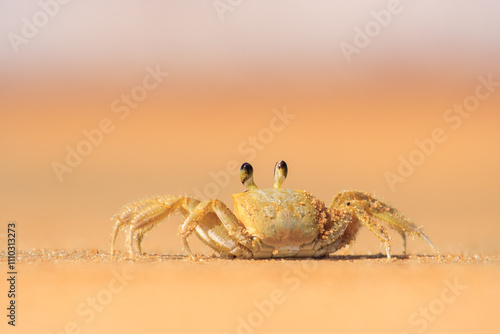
<point x="89" y="292"/>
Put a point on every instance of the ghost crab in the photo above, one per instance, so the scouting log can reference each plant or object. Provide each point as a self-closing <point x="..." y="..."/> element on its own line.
<point x="267" y="223"/>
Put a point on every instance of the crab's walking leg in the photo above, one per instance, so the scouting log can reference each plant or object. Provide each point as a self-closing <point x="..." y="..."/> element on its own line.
<point x="219" y="228"/>
<point x="403" y="236"/>
<point x="116" y="229"/>
<point x="378" y="230"/>
<point x="402" y="225"/>
<point x="142" y="216"/>
<point x="371" y="212"/>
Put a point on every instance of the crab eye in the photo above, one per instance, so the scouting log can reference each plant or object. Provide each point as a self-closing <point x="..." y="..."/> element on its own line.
<point x="246" y="168"/>
<point x="280" y="173"/>
<point x="282" y="167"/>
<point x="246" y="176"/>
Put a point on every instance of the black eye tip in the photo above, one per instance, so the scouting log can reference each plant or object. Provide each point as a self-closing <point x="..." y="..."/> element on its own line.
<point x="348" y="203"/>
<point x="246" y="176"/>
<point x="246" y="167"/>
<point x="282" y="164"/>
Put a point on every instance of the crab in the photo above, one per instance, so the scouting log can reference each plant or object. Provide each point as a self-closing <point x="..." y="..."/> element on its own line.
<point x="267" y="223"/>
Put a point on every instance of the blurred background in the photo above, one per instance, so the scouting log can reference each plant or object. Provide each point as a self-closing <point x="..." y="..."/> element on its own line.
<point x="107" y="102"/>
<point x="340" y="91"/>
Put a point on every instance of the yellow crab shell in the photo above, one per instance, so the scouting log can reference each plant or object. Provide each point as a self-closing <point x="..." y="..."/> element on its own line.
<point x="280" y="217"/>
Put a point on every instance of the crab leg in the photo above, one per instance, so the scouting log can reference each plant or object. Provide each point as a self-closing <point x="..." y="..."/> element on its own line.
<point x="219" y="228"/>
<point x="403" y="226"/>
<point x="142" y="216"/>
<point x="377" y="229"/>
<point x="403" y="236"/>
<point x="371" y="212"/>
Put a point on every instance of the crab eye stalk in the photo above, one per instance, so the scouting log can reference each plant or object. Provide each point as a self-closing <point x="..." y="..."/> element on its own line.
<point x="246" y="176"/>
<point x="280" y="173"/>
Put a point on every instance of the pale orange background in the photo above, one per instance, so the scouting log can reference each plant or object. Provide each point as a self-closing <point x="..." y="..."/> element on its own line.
<point x="226" y="77"/>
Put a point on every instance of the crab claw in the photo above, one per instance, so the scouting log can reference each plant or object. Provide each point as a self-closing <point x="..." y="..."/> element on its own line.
<point x="246" y="176"/>
<point x="280" y="173"/>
